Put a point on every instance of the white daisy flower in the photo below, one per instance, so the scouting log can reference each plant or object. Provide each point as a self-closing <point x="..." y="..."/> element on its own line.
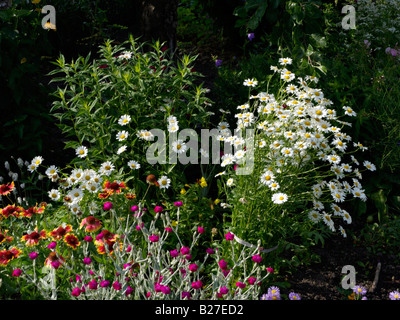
<point x="370" y="166"/>
<point x="335" y="159"/>
<point x="229" y="182"/>
<point x="54" y="194"/>
<point x="133" y="165"/>
<point x="37" y="160"/>
<point x="274" y="186"/>
<point x="359" y="193"/>
<point x="227" y="159"/>
<point x="124" y="120"/>
<point x="164" y="182"/>
<point x="122" y="135"/>
<point x="267" y="177"/>
<point x="314" y="216"/>
<point x="346" y="216"/>
<point x="287" y="152"/>
<point x="349" y="111"/>
<point x="51" y="171"/>
<point x="75" y="208"/>
<point x="285" y="61"/>
<point x="219" y="174"/>
<point x="76" y="175"/>
<point x="173" y="127"/>
<point x="106" y="168"/>
<point x="250" y="82"/>
<point x="121" y="149"/>
<point x="279" y="198"/>
<point x="179" y="146"/>
<point x="75" y="194"/>
<point x="81" y="152"/>
<point x="342" y="232"/>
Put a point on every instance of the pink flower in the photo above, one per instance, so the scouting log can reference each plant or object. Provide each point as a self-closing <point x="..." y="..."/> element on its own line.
<point x="165" y="290"/>
<point x="88" y="239"/>
<point x="33" y="255"/>
<point x="76" y="292"/>
<point x="186" y="294"/>
<point x="104" y="283"/>
<point x="174" y="253"/>
<point x="56" y="264"/>
<point x="178" y="204"/>
<point x="107" y="206"/>
<point x="185" y="250"/>
<point x="139" y="227"/>
<point x="197" y="284"/>
<point x="223" y="290"/>
<point x="251" y="280"/>
<point x="225" y="272"/>
<point x="200" y="229"/>
<point x="257" y="258"/>
<point x="168" y="229"/>
<point x="154" y="238"/>
<point x="270" y="270"/>
<point x="223" y="264"/>
<point x="158" y="209"/>
<point x="87" y="260"/>
<point x="128" y="291"/>
<point x="134" y="208"/>
<point x="193" y="267"/>
<point x="93" y="284"/>
<point x="240" y="285"/>
<point x="229" y="236"/>
<point x="210" y="251"/>
<point x="17" y="273"/>
<point x="52" y="245"/>
<point x="117" y="286"/>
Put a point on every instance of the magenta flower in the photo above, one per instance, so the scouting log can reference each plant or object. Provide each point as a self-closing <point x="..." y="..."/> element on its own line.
<point x="200" y="229"/>
<point x="56" y="264"/>
<point x="134" y="208"/>
<point x="210" y="251"/>
<point x="165" y="289"/>
<point x="197" y="285"/>
<point x="154" y="238"/>
<point x="93" y="284"/>
<point x="17" y="273"/>
<point x="185" y="250"/>
<point x="251" y="280"/>
<point x="87" y="260"/>
<point x="88" y="239"/>
<point x="174" y="253"/>
<point x="168" y="229"/>
<point x="257" y="258"/>
<point x="76" y="292"/>
<point x="128" y="291"/>
<point x="104" y="283"/>
<point x="223" y="264"/>
<point x="107" y="206"/>
<point x="193" y="267"/>
<point x="270" y="270"/>
<point x="117" y="286"/>
<point x="33" y="255"/>
<point x="186" y="294"/>
<point x="223" y="290"/>
<point x="178" y="204"/>
<point x="240" y="285"/>
<point x="158" y="209"/>
<point x="229" y="236"/>
<point x="52" y="245"/>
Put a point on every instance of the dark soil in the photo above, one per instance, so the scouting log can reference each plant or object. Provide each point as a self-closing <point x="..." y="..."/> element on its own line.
<point x="322" y="281"/>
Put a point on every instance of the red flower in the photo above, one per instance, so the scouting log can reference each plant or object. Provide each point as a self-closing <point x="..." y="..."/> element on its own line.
<point x="72" y="241"/>
<point x="7" y="255"/>
<point x="3" y="237"/>
<point x="106" y="238"/>
<point x="60" y="232"/>
<point x="11" y="210"/>
<point x="93" y="224"/>
<point x="6" y="188"/>
<point x="33" y="238"/>
<point x="53" y="261"/>
<point x="114" y="187"/>
<point x="31" y="211"/>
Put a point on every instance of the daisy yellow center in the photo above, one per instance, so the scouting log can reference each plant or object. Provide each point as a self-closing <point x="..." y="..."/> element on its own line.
<point x="37" y="162"/>
<point x="76" y="194"/>
<point x="125" y="120"/>
<point x="267" y="177"/>
<point x="107" y="167"/>
<point x="319" y="112"/>
<point x="287" y="151"/>
<point x="164" y="182"/>
<point x="178" y="146"/>
<point x="349" y="110"/>
<point x="333" y="158"/>
<point x="82" y="152"/>
<point x="122" y="136"/>
<point x="281" y="198"/>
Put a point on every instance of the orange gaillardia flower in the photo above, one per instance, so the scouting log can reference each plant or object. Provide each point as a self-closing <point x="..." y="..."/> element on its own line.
<point x="72" y="240"/>
<point x="92" y="224"/>
<point x="3" y="237"/>
<point x="7" y="255"/>
<point x="113" y="187"/>
<point x="60" y="232"/>
<point x="106" y="238"/>
<point x="32" y="211"/>
<point x="33" y="238"/>
<point x="6" y="188"/>
<point x="54" y="261"/>
<point x="11" y="210"/>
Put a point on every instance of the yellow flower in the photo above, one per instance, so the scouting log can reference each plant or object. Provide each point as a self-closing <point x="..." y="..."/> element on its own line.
<point x="217" y="201"/>
<point x="174" y="223"/>
<point x="183" y="191"/>
<point x="203" y="182"/>
<point x="36" y="1"/>
<point x="49" y="25"/>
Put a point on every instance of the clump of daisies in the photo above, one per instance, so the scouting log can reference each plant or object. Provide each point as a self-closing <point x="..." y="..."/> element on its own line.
<point x="301" y="162"/>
